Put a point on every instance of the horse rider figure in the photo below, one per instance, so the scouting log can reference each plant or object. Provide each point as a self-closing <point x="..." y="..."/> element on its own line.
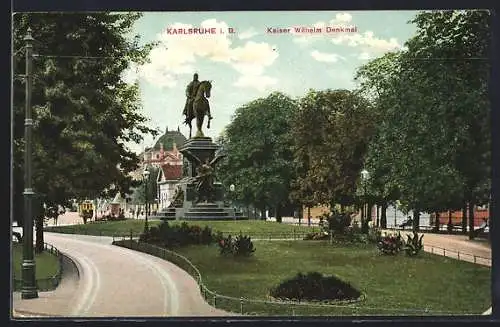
<point x="191" y="90"/>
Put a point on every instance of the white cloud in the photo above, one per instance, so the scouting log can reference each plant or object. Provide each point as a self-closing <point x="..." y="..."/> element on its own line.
<point x="364" y="56"/>
<point x="130" y="75"/>
<point x="177" y="53"/>
<point x="326" y="57"/>
<point x="342" y="18"/>
<point x="249" y="33"/>
<point x="366" y="41"/>
<point x="259" y="82"/>
<point x="253" y="57"/>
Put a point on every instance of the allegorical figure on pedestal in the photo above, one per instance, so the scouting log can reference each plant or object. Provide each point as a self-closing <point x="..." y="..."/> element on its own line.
<point x="205" y="178"/>
<point x="197" y="105"/>
<point x="178" y="199"/>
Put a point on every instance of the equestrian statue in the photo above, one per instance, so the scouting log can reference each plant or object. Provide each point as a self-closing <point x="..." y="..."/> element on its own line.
<point x="197" y="105"/>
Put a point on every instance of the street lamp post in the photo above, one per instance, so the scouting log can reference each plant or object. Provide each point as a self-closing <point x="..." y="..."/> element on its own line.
<point x="29" y="290"/>
<point x="146" y="179"/>
<point x="232" y="188"/>
<point x="364" y="176"/>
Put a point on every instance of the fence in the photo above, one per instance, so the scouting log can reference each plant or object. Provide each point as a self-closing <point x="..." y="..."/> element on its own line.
<point x="246" y="306"/>
<point x="454" y="254"/>
<point x="50" y="283"/>
<point x="297" y="235"/>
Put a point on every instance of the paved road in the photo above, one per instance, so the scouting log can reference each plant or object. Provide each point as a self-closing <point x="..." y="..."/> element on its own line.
<point x="117" y="282"/>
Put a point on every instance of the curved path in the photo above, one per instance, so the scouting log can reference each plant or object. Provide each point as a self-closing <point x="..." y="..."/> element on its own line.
<point x="116" y="282"/>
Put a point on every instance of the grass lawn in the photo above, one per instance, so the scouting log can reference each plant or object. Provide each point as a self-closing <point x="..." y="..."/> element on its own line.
<point x="397" y="285"/>
<point x="47" y="265"/>
<point x="251" y="227"/>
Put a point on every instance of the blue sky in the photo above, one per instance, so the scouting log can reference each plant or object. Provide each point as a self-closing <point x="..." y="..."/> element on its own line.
<point x="251" y="62"/>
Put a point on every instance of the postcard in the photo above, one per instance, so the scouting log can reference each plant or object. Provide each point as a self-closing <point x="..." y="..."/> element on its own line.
<point x="281" y="163"/>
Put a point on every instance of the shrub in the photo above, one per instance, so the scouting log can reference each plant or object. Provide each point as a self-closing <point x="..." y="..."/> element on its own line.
<point x="317" y="236"/>
<point x="336" y="222"/>
<point x="241" y="246"/>
<point x="391" y="244"/>
<point x="414" y="244"/>
<point x="225" y="245"/>
<point x="172" y="236"/>
<point x="314" y="286"/>
<point x="374" y="235"/>
<point x="206" y="235"/>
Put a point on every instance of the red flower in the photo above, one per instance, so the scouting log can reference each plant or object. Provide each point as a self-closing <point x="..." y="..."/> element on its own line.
<point x="221" y="242"/>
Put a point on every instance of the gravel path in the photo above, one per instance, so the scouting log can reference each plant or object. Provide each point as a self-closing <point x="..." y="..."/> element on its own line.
<point x="116" y="282"/>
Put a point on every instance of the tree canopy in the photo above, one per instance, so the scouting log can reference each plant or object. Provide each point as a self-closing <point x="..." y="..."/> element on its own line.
<point x="84" y="113"/>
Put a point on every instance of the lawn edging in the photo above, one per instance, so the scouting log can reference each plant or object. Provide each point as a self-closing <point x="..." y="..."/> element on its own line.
<point x="49" y="283"/>
<point x="185" y="264"/>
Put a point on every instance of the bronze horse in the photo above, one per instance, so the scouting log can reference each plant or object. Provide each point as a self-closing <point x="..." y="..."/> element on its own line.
<point x="201" y="108"/>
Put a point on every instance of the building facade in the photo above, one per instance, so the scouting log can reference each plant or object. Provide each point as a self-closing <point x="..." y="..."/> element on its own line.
<point x="168" y="178"/>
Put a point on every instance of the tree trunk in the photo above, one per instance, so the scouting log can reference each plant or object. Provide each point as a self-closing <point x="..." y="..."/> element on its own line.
<point x="378" y="218"/>
<point x="39" y="234"/>
<point x="416" y="220"/>
<point x="450" y="227"/>
<point x="436" y="223"/>
<point x="308" y="216"/>
<point x="471" y="220"/>
<point x="362" y="215"/>
<point x="263" y="213"/>
<point x="464" y="218"/>
<point x="278" y="213"/>
<point x="383" y="218"/>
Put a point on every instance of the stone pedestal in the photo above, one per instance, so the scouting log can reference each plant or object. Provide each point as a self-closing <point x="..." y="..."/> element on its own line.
<point x="203" y="148"/>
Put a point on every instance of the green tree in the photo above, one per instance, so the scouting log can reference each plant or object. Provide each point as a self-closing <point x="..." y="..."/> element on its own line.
<point x="139" y="193"/>
<point x="83" y="111"/>
<point x="433" y="136"/>
<point x="259" y="160"/>
<point x="330" y="131"/>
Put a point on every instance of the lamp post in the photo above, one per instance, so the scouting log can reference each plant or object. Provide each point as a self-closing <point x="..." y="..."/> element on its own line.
<point x="29" y="290"/>
<point x="145" y="174"/>
<point x="364" y="176"/>
<point x="232" y="188"/>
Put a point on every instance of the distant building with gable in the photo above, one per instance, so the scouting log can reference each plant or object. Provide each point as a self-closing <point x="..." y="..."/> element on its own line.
<point x="164" y="155"/>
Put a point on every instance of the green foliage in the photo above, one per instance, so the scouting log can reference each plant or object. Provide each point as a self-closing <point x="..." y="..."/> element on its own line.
<point x="314" y="286"/>
<point x="414" y="244"/>
<point x="178" y="235"/>
<point x="259" y="160"/>
<point x="374" y="235"/>
<point x="316" y="236"/>
<point x="83" y="112"/>
<point x="432" y="145"/>
<point x="241" y="246"/>
<point x="335" y="221"/>
<point x="391" y="244"/>
<point x="330" y="155"/>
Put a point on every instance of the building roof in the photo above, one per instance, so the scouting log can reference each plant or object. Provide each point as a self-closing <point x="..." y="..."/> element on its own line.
<point x="169" y="138"/>
<point x="172" y="172"/>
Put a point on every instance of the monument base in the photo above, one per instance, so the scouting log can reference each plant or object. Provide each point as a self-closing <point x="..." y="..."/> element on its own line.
<point x="204" y="149"/>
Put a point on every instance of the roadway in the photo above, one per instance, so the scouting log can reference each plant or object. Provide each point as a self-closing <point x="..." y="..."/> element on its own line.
<point x="111" y="281"/>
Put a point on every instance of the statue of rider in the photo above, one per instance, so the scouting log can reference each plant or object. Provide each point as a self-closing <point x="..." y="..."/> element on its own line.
<point x="191" y="90"/>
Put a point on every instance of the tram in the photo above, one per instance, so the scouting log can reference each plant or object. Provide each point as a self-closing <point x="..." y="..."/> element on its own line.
<point x="86" y="210"/>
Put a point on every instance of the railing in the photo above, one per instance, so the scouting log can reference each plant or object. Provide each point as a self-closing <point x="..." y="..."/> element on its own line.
<point x="300" y="235"/>
<point x="245" y="306"/>
<point x="454" y="254"/>
<point x="49" y="283"/>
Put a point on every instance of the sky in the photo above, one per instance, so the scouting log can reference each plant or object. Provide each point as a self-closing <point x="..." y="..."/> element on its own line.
<point x="245" y="58"/>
